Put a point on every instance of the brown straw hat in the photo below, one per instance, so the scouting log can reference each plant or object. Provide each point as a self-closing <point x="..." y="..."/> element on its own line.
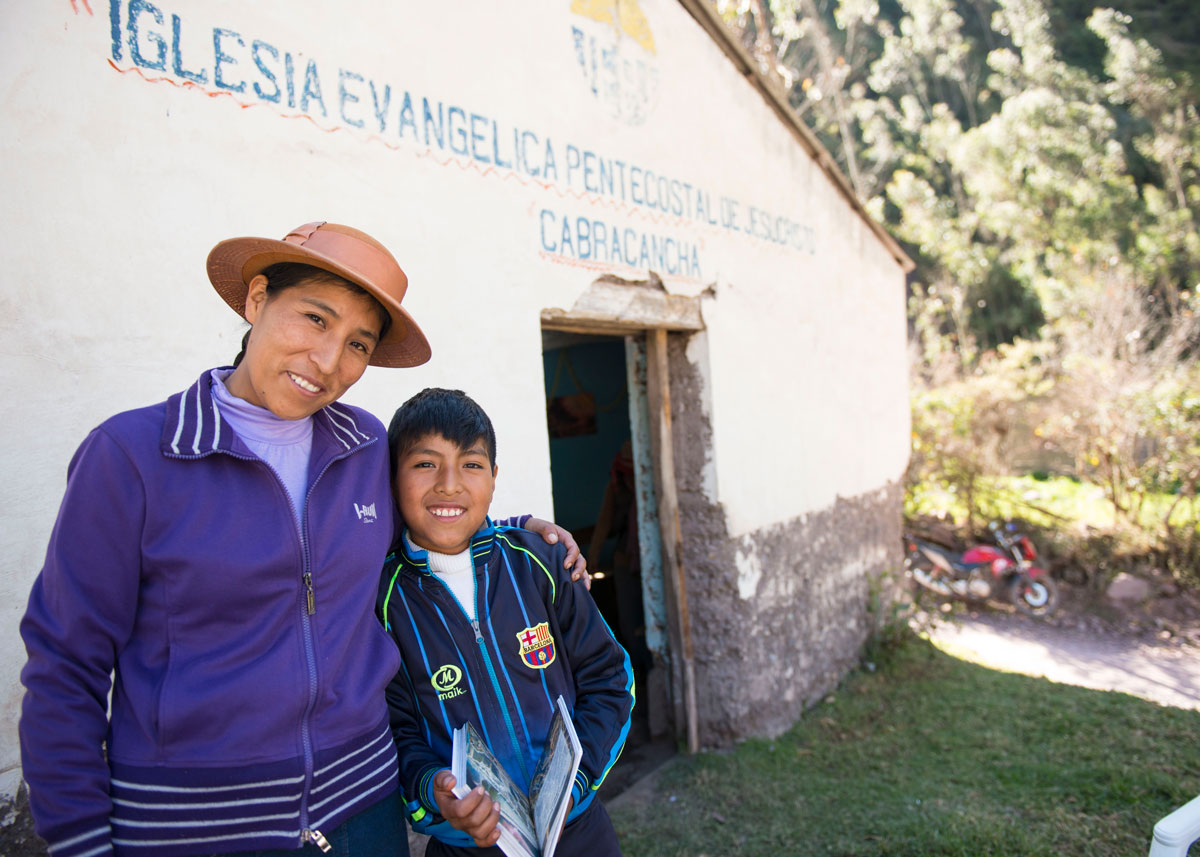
<point x="344" y="251"/>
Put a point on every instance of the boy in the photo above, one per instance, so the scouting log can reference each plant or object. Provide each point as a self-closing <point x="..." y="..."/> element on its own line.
<point x="491" y="631"/>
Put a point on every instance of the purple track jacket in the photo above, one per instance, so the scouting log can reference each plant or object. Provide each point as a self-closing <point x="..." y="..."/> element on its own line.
<point x="248" y="704"/>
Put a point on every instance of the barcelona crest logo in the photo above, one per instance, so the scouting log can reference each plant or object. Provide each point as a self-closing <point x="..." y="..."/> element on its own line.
<point x="537" y="646"/>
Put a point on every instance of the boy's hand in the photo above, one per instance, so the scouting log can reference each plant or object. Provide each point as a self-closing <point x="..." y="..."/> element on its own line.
<point x="553" y="534"/>
<point x="476" y="815"/>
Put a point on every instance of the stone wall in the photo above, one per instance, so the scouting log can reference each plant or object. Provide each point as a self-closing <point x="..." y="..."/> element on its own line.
<point x="778" y="616"/>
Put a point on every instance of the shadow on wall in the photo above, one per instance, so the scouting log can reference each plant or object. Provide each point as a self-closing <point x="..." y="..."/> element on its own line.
<point x="17" y="838"/>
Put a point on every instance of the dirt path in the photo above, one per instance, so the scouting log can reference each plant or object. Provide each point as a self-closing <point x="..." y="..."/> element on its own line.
<point x="1099" y="659"/>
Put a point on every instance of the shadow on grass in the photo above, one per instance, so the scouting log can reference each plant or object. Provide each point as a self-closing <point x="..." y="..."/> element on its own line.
<point x="931" y="756"/>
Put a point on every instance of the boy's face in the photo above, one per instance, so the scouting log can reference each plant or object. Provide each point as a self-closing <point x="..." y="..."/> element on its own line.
<point x="444" y="492"/>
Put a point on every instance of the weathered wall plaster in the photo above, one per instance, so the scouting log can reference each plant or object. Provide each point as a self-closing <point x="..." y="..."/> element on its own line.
<point x="780" y="614"/>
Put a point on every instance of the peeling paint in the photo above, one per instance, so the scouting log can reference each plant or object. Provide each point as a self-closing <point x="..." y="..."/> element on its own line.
<point x="749" y="570"/>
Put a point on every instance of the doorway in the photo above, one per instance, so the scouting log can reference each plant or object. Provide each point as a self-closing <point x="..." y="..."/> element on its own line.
<point x="601" y="463"/>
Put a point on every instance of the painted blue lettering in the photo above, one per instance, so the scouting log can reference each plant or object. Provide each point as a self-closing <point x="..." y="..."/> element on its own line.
<point x="615" y="245"/>
<point x="221" y="58"/>
<point x="606" y="176"/>
<point x="256" y="51"/>
<point x="407" y="117"/>
<point x="635" y="179"/>
<point x="630" y="238"/>
<point x="525" y="136"/>
<point x="729" y="213"/>
<point x="676" y="197"/>
<point x="664" y="193"/>
<point x="547" y="215"/>
<point x="137" y="8"/>
<point x="460" y="132"/>
<point x="565" y="246"/>
<point x="694" y="268"/>
<point x="621" y="177"/>
<point x="648" y="187"/>
<point x="589" y="172"/>
<point x="671" y="252"/>
<point x="114" y="28"/>
<point x="177" y="56"/>
<point x="345" y="96"/>
<point x="701" y="198"/>
<point x="644" y="260"/>
<point x="477" y="137"/>
<point x="711" y="215"/>
<point x="496" y="147"/>
<point x="583" y="234"/>
<point x="312" y="88"/>
<point x="439" y="130"/>
<point x="549" y="165"/>
<point x="600" y="239"/>
<point x="382" y="109"/>
<point x="290" y="71"/>
<point x="577" y="38"/>
<point x="572" y="161"/>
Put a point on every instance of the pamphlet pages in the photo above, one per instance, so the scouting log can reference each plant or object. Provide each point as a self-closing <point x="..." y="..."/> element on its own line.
<point x="473" y="764"/>
<point x="550" y="791"/>
<point x="530" y="826"/>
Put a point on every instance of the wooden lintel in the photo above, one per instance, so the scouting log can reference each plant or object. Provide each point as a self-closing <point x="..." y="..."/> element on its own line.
<point x="569" y="323"/>
<point x="617" y="307"/>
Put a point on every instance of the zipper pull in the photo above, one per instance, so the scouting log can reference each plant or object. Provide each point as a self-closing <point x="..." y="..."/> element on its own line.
<point x="312" y="606"/>
<point x="478" y="633"/>
<point x="315" y="837"/>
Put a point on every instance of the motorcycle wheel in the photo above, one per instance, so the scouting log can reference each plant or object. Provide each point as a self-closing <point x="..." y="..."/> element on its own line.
<point x="1034" y="596"/>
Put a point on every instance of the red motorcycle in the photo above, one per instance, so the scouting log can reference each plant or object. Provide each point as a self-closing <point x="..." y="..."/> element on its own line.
<point x="1004" y="571"/>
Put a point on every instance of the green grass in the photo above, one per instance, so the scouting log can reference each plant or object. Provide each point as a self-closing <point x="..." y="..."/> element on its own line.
<point x="932" y="756"/>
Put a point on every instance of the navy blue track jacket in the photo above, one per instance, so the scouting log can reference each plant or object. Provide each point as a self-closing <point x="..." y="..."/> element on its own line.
<point x="538" y="635"/>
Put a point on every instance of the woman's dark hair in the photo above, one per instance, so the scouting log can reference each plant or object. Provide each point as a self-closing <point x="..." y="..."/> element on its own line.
<point x="284" y="275"/>
<point x="451" y="413"/>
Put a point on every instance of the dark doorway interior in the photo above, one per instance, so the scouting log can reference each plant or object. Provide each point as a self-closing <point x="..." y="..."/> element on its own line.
<point x="591" y="462"/>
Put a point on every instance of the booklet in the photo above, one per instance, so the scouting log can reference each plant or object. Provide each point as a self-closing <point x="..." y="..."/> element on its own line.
<point x="529" y="824"/>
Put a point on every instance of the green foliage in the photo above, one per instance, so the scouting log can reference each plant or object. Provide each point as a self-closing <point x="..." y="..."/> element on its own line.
<point x="932" y="756"/>
<point x="1041" y="162"/>
<point x="891" y="611"/>
<point x="1021" y="179"/>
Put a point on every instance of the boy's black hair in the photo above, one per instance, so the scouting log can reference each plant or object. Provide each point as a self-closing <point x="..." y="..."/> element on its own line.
<point x="451" y="413"/>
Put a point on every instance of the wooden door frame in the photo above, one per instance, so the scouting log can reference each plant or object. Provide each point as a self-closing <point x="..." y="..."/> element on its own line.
<point x="658" y="389"/>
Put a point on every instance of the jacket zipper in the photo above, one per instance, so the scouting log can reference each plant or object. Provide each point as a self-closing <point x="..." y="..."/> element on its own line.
<point x="307" y="835"/>
<point x="487" y="661"/>
<point x="310" y="835"/>
<point x="512" y="732"/>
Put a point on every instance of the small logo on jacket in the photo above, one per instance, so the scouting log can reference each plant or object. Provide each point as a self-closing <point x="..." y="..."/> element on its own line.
<point x="445" y="682"/>
<point x="537" y="646"/>
<point x="366" y="514"/>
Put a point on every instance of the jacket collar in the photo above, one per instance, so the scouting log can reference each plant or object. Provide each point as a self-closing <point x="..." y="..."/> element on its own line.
<point x="418" y="559"/>
<point x="193" y="427"/>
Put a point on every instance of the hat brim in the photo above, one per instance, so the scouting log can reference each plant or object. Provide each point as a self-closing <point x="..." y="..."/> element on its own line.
<point x="233" y="263"/>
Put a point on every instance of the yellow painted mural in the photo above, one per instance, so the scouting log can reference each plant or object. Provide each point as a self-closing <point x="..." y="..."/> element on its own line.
<point x="624" y="15"/>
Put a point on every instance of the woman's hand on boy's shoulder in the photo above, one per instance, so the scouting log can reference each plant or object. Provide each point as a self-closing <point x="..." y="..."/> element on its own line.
<point x="476" y="815"/>
<point x="553" y="534"/>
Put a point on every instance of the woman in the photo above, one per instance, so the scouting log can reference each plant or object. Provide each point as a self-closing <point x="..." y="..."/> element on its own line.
<point x="218" y="555"/>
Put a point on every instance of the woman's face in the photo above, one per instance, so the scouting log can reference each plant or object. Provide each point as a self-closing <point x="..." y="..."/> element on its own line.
<point x="308" y="345"/>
